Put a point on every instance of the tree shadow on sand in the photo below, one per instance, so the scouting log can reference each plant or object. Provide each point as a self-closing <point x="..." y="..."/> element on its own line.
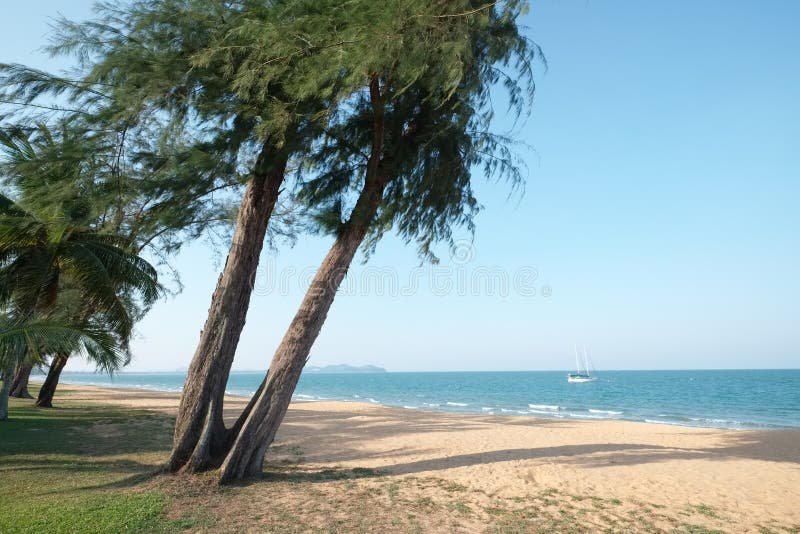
<point x="340" y="435"/>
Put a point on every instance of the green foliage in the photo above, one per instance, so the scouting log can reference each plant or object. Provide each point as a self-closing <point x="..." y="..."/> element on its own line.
<point x="65" y="286"/>
<point x="36" y="338"/>
<point x="217" y="87"/>
<point x="436" y="65"/>
<point x="38" y="254"/>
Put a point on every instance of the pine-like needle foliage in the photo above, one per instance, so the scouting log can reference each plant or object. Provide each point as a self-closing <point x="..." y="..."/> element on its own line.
<point x="59" y="267"/>
<point x="437" y="65"/>
<point x="211" y="85"/>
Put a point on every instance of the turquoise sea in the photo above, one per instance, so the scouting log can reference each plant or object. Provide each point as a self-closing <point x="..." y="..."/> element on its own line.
<point x="738" y="399"/>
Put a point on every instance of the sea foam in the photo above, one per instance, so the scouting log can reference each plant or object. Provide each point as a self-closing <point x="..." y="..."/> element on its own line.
<point x="607" y="412"/>
<point x="548" y="407"/>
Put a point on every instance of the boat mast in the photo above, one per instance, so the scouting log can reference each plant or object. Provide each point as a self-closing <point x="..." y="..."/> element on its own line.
<point x="586" y="360"/>
<point x="577" y="360"/>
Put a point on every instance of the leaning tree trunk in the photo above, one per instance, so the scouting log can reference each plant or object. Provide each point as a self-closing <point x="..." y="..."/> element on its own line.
<point x="5" y="389"/>
<point x="19" y="386"/>
<point x="201" y="439"/>
<point x="48" y="389"/>
<point x="246" y="456"/>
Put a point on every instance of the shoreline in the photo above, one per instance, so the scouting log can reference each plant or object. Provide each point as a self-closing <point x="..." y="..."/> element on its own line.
<point x="534" y="411"/>
<point x="748" y="478"/>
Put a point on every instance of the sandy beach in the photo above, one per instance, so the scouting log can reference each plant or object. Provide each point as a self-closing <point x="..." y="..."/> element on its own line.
<point x="747" y="478"/>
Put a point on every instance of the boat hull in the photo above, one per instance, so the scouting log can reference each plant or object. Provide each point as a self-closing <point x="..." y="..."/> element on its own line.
<point x="579" y="379"/>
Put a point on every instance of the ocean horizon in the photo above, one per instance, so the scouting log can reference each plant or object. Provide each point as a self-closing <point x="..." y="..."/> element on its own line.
<point x="731" y="399"/>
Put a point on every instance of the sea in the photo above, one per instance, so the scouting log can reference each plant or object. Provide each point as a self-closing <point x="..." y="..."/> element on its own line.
<point x="732" y="399"/>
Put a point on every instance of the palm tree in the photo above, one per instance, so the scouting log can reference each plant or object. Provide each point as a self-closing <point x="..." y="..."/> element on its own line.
<point x="70" y="310"/>
<point x="58" y="259"/>
<point x="18" y="337"/>
<point x="40" y="256"/>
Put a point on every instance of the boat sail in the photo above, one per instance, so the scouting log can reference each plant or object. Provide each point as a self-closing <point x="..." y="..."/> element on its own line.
<point x="583" y="374"/>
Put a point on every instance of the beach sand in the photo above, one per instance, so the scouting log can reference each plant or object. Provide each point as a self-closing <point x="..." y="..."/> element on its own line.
<point x="748" y="478"/>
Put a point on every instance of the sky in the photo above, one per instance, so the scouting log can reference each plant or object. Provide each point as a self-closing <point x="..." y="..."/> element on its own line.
<point x="659" y="223"/>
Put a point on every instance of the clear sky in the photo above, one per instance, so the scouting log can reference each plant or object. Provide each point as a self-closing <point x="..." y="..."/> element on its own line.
<point x="659" y="224"/>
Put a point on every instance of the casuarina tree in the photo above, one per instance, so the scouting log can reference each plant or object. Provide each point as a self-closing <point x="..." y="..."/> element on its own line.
<point x="408" y="146"/>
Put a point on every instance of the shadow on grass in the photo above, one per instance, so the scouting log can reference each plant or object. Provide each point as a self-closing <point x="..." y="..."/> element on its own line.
<point x="321" y="475"/>
<point x="81" y="446"/>
<point x="292" y="475"/>
<point x="81" y="430"/>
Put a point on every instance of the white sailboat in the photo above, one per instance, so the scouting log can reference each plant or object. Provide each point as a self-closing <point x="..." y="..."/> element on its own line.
<point x="583" y="374"/>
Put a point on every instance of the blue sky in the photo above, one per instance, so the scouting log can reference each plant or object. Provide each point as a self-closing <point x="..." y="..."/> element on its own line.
<point x="660" y="215"/>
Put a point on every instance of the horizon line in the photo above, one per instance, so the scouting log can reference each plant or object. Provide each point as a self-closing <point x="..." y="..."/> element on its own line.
<point x="122" y="371"/>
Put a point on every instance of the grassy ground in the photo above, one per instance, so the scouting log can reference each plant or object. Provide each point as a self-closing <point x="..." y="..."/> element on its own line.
<point x="90" y="468"/>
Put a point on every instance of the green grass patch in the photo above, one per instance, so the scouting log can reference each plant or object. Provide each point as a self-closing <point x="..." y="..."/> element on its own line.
<point x="460" y="507"/>
<point x="705" y="510"/>
<point x="74" y="468"/>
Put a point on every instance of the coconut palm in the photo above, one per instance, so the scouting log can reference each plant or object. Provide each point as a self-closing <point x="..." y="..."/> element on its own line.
<point x="40" y="255"/>
<point x="55" y="240"/>
<point x="70" y="310"/>
<point x="19" y="338"/>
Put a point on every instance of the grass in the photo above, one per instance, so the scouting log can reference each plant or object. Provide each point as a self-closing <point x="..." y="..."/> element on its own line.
<point x="85" y="467"/>
<point x="75" y="469"/>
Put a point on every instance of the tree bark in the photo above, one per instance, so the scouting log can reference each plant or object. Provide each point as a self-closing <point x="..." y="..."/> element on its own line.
<point x="201" y="439"/>
<point x="5" y="389"/>
<point x="48" y="389"/>
<point x="247" y="452"/>
<point x="246" y="456"/>
<point x="19" y="385"/>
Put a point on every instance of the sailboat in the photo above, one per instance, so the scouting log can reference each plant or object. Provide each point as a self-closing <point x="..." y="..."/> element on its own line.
<point x="583" y="374"/>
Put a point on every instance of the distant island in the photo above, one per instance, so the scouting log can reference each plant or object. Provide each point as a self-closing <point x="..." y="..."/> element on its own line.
<point x="343" y="368"/>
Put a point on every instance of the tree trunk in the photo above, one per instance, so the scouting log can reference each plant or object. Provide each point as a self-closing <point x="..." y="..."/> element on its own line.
<point x="201" y="439"/>
<point x="246" y="456"/>
<point x="5" y="389"/>
<point x="48" y="389"/>
<point x="19" y="386"/>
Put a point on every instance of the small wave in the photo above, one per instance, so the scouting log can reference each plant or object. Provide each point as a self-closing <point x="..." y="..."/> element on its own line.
<point x="487" y="408"/>
<point x="661" y="422"/>
<point x="715" y="421"/>
<point x="587" y="416"/>
<point x="607" y="412"/>
<point x="373" y="401"/>
<point x="457" y="403"/>
<point x="543" y="412"/>
<point x="432" y="404"/>
<point x="411" y="407"/>
<point x="548" y="407"/>
<point x="507" y="411"/>
<point x="705" y="422"/>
